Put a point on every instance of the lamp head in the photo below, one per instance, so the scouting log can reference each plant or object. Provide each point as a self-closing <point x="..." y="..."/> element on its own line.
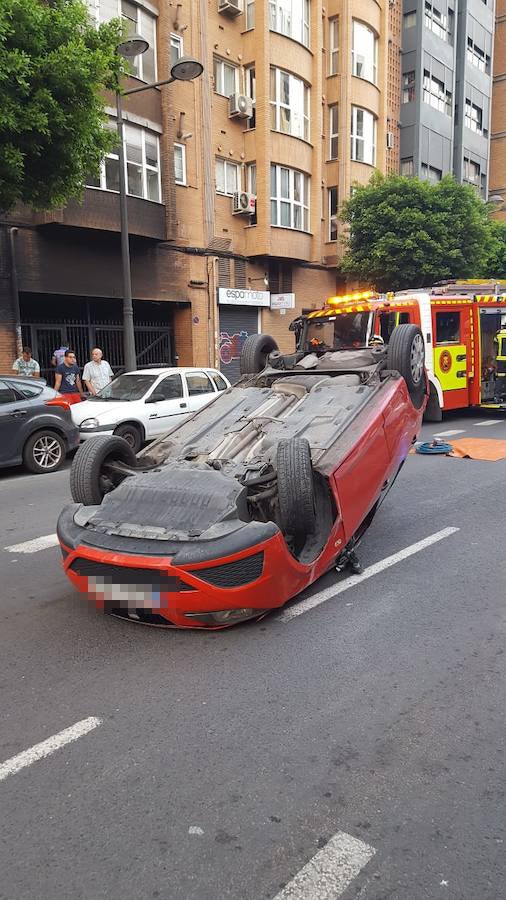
<point x="133" y="45"/>
<point x="186" y="69"/>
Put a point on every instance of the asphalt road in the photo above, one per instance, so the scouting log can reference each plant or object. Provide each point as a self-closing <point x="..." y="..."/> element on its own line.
<point x="225" y="761"/>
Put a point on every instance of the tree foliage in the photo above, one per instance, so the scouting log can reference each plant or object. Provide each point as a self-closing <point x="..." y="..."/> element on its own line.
<point x="54" y="66"/>
<point x="406" y="233"/>
<point x="495" y="264"/>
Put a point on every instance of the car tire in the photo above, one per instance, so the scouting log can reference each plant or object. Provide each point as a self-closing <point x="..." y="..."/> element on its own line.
<point x="254" y="353"/>
<point x="89" y="481"/>
<point x="296" y="496"/>
<point x="130" y="433"/>
<point x="406" y="355"/>
<point x="44" y="451"/>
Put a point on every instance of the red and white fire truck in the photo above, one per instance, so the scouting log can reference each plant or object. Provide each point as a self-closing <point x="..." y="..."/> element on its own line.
<point x="464" y="327"/>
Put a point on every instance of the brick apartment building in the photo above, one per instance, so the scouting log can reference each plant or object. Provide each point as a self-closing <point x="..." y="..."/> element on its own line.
<point x="297" y="102"/>
<point x="498" y="130"/>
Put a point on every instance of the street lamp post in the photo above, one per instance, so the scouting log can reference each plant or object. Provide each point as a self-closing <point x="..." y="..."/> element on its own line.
<point x="184" y="69"/>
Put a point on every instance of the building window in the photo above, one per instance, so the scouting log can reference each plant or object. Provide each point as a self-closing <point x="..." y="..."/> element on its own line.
<point x="180" y="163"/>
<point x="333" y="46"/>
<point x="251" y="182"/>
<point x="225" y="77"/>
<point x="290" y="17"/>
<point x="332" y="213"/>
<point x="473" y="117"/>
<point x="176" y="48"/>
<point x="280" y="277"/>
<point x="289" y="104"/>
<point x="364" y="52"/>
<point x="250" y="14"/>
<point x="407" y="167"/>
<point x="142" y="165"/>
<point x="251" y="91"/>
<point x="409" y="19"/>
<point x="477" y="57"/>
<point x="139" y="21"/>
<point x="227" y="177"/>
<point x="430" y="173"/>
<point x="472" y="171"/>
<point x="436" y="21"/>
<point x="435" y="95"/>
<point x="333" y="131"/>
<point x="363" y="136"/>
<point x="408" y="87"/>
<point x="289" y="198"/>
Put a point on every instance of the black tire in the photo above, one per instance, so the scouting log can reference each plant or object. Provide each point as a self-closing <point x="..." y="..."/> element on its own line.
<point x="131" y="433"/>
<point x="433" y="411"/>
<point x="89" y="481"/>
<point x="406" y="354"/>
<point x="254" y="353"/>
<point x="44" y="451"/>
<point x="296" y="488"/>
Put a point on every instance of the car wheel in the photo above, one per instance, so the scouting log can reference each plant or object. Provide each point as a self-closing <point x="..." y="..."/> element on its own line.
<point x="295" y="487"/>
<point x="254" y="353"/>
<point x="131" y="434"/>
<point x="406" y="354"/>
<point x="44" y="451"/>
<point x="91" y="476"/>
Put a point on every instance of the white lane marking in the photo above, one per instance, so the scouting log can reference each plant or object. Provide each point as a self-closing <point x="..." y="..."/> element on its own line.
<point x="47" y="747"/>
<point x="489" y="422"/>
<point x="328" y="593"/>
<point x="449" y="433"/>
<point x="330" y="871"/>
<point x="40" y="543"/>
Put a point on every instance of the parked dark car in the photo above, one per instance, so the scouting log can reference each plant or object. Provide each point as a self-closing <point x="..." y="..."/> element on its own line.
<point x="36" y="427"/>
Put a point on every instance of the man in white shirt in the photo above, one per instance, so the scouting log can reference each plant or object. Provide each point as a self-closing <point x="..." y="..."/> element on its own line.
<point x="97" y="373"/>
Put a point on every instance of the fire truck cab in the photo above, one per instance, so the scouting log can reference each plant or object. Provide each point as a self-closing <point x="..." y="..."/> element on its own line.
<point x="464" y="328"/>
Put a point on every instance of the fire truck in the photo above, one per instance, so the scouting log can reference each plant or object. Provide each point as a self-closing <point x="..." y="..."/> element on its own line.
<point x="463" y="324"/>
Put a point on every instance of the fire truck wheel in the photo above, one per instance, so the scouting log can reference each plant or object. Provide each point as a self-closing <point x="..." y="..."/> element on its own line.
<point x="433" y="411"/>
<point x="254" y="353"/>
<point x="92" y="474"/>
<point x="406" y="354"/>
<point x="296" y="495"/>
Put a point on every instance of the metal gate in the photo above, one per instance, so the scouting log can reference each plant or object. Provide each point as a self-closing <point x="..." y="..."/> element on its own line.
<point x="236" y="323"/>
<point x="152" y="340"/>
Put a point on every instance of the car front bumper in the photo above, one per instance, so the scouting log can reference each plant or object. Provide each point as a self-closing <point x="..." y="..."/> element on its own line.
<point x="151" y="589"/>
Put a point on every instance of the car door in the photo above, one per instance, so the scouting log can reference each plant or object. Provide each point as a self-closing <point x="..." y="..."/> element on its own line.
<point x="166" y="405"/>
<point x="12" y="414"/>
<point x="200" y="390"/>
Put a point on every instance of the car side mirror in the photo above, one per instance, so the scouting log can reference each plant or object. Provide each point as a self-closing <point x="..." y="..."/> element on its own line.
<point x="155" y="398"/>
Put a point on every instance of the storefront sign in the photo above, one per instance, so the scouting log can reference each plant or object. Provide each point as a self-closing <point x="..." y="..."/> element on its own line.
<point x="242" y="297"/>
<point x="282" y="301"/>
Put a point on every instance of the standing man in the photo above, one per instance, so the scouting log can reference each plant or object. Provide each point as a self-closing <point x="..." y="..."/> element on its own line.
<point x="97" y="373"/>
<point x="57" y="357"/>
<point x="26" y="365"/>
<point x="67" y="379"/>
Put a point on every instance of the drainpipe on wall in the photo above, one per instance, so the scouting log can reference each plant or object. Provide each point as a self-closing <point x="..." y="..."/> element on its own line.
<point x="15" y="291"/>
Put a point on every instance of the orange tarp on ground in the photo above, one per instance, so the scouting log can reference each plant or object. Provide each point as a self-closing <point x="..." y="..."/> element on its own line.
<point x="479" y="448"/>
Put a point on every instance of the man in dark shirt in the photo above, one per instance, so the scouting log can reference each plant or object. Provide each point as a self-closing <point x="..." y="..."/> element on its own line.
<point x="67" y="379"/>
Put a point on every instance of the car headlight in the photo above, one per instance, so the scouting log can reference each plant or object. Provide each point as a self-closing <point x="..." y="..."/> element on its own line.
<point x="89" y="423"/>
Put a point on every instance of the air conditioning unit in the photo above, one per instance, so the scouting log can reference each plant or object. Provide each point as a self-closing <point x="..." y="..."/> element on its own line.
<point x="390" y="140"/>
<point x="244" y="204"/>
<point x="240" y="107"/>
<point x="230" y="7"/>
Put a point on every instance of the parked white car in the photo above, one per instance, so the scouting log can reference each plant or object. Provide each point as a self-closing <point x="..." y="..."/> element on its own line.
<point x="139" y="406"/>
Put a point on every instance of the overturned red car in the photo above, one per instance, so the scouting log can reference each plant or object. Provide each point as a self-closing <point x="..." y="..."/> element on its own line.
<point x="240" y="507"/>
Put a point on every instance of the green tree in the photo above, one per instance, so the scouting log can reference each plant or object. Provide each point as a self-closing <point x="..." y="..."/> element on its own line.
<point x="495" y="263"/>
<point x="55" y="64"/>
<point x="406" y="233"/>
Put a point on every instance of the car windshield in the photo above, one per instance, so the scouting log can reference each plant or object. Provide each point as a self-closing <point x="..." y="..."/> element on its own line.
<point x="342" y="332"/>
<point x="126" y="387"/>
